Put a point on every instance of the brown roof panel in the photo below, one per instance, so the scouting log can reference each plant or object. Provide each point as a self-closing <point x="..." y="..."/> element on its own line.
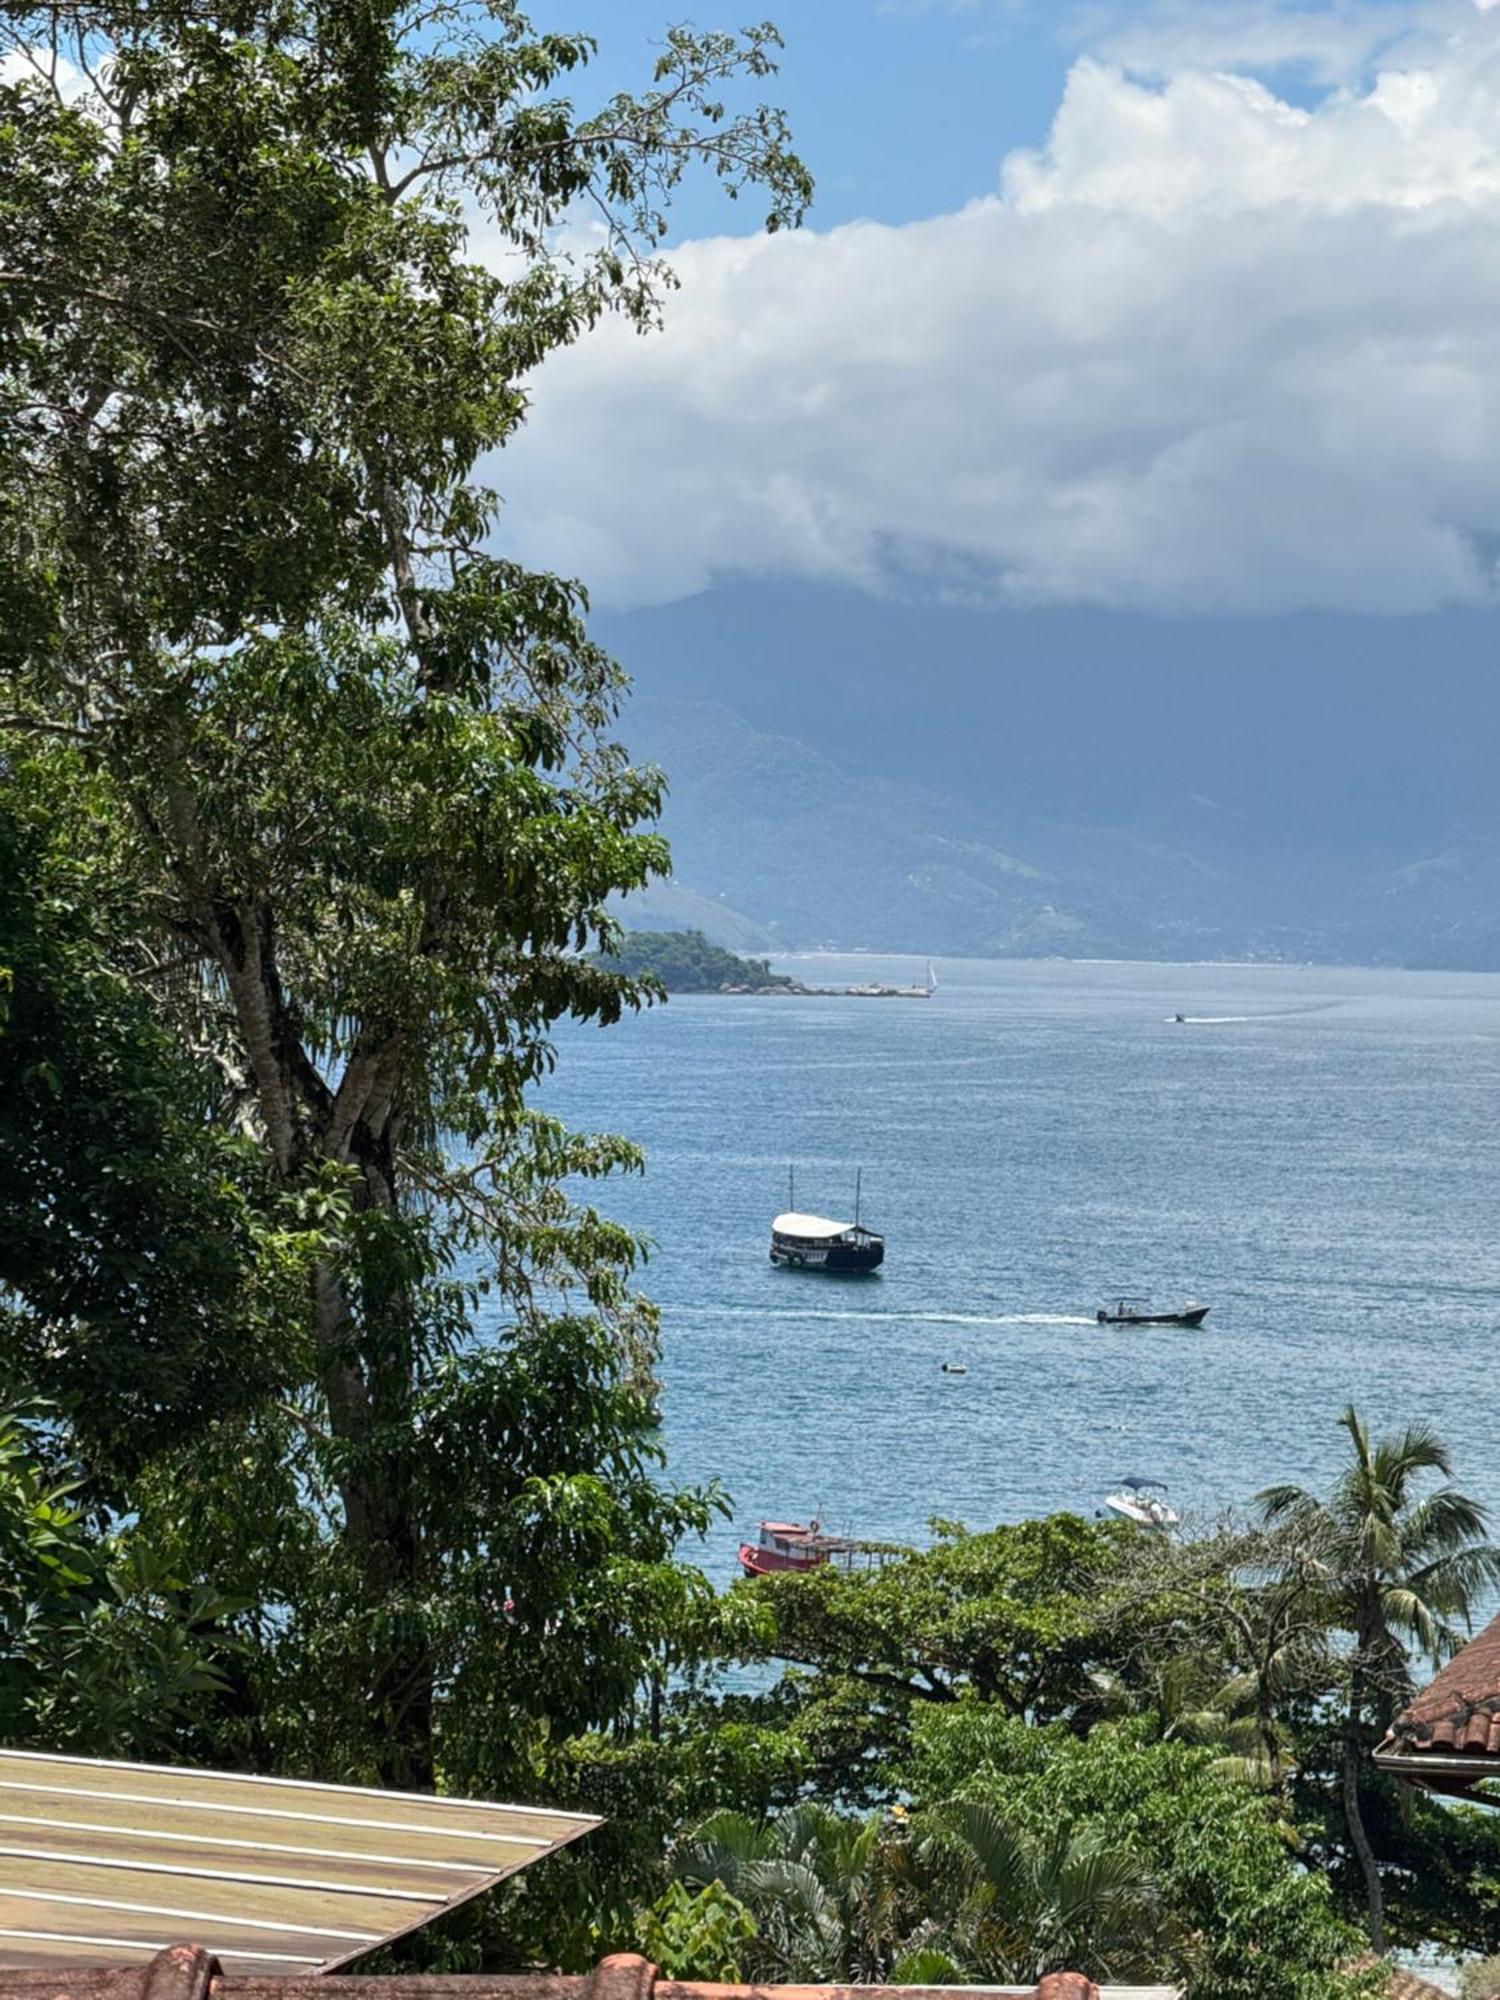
<point x="105" y="1862"/>
<point x="1458" y="1715"/>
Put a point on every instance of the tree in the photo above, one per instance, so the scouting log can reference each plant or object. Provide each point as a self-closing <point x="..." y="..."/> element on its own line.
<point x="344" y="777"/>
<point x="141" y="1269"/>
<point x="1227" y="1630"/>
<point x="1399" y="1567"/>
<point x="1011" y="1616"/>
<point x="103" y="1648"/>
<point x="1070" y="1899"/>
<point x="1238" y="1917"/>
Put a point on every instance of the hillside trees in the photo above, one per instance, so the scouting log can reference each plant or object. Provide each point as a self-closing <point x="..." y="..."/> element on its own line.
<point x="341" y="778"/>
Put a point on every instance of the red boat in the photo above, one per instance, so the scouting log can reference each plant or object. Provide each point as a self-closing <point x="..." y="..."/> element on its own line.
<point x="789" y="1545"/>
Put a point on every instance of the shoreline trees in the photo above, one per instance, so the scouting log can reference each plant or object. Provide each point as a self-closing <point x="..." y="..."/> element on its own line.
<point x="344" y="781"/>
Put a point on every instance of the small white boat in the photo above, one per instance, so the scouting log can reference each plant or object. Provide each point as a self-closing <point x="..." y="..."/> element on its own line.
<point x="1143" y="1501"/>
<point x="955" y="1367"/>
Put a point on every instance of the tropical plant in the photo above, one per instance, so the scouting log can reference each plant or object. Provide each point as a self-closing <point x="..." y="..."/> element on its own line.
<point x="697" y="1934"/>
<point x="1024" y="1904"/>
<point x="818" y="1883"/>
<point x="1239" y="1917"/>
<point x="105" y="1648"/>
<point x="1401" y="1568"/>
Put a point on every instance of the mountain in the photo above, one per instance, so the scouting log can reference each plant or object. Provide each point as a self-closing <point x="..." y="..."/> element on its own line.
<point x="939" y="778"/>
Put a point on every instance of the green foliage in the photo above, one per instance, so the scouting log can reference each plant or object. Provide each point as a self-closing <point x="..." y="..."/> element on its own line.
<point x="1012" y="1616"/>
<point x="1399" y="1568"/>
<point x="1023" y="1904"/>
<point x="685" y="962"/>
<point x="698" y="1934"/>
<point x="819" y="1884"/>
<point x="1230" y="1633"/>
<point x="1240" y="1918"/>
<point x="326" y="811"/>
<point x="104" y="1648"/>
<point x="141" y="1275"/>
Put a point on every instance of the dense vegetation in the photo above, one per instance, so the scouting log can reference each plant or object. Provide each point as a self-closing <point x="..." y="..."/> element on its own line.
<point x="331" y="1443"/>
<point x="685" y="962"/>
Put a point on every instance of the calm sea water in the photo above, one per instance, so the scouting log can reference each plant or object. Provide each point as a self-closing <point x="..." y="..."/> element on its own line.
<point x="1317" y="1154"/>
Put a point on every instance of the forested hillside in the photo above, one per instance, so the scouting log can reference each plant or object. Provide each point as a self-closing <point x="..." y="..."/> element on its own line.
<point x="685" y="962"/>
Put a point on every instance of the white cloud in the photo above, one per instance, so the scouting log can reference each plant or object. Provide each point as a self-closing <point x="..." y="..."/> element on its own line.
<point x="1206" y="350"/>
<point x="1331" y="45"/>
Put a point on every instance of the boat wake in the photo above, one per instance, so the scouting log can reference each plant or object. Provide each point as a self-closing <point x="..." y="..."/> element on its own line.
<point x="912" y="1318"/>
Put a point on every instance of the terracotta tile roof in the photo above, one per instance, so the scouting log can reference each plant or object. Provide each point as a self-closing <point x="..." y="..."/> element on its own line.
<point x="184" y="1972"/>
<point x="1459" y="1714"/>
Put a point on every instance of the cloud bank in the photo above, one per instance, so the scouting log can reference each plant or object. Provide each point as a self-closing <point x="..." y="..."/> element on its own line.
<point x="1206" y="351"/>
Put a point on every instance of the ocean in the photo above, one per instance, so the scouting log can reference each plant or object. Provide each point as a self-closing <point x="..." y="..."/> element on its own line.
<point x="1316" y="1154"/>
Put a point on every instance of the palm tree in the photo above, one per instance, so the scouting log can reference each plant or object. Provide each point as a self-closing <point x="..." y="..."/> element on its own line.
<point x="1026" y="1905"/>
<point x="1402" y="1569"/>
<point x="816" y="1882"/>
<point x="831" y="1896"/>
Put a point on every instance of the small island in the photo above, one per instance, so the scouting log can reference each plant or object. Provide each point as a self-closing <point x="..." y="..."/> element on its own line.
<point x="685" y="962"/>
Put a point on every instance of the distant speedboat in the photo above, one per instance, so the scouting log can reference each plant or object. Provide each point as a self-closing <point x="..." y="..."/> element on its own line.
<point x="805" y="1242"/>
<point x="1140" y="1312"/>
<point x="1143" y="1501"/>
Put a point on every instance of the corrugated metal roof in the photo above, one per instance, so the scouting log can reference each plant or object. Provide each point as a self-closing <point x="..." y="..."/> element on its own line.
<point x="108" y="1863"/>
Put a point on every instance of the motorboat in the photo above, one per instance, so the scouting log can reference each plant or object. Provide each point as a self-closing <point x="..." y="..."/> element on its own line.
<point x="1141" y="1312"/>
<point x="1143" y="1501"/>
<point x="955" y="1367"/>
<point x="799" y="1547"/>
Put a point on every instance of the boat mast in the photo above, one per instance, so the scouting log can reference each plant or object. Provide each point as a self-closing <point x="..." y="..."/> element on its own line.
<point x="791" y="1188"/>
<point x="858" y="1176"/>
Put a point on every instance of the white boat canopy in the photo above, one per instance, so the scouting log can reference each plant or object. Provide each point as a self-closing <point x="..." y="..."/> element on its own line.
<point x="808" y="1226"/>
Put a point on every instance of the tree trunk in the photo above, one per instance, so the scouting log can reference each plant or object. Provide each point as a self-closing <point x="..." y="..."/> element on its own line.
<point x="364" y="1363"/>
<point x="1360" y="1840"/>
<point x="366" y="1371"/>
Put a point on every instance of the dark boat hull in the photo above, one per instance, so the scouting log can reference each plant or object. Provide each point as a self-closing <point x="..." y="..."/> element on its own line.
<point x="1194" y="1318"/>
<point x="839" y="1259"/>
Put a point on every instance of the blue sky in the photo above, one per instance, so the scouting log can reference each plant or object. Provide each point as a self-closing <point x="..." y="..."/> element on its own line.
<point x="1185" y="307"/>
<point x="901" y="110"/>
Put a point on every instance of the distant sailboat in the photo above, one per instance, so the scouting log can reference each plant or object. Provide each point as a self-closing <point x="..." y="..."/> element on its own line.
<point x="931" y="978"/>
